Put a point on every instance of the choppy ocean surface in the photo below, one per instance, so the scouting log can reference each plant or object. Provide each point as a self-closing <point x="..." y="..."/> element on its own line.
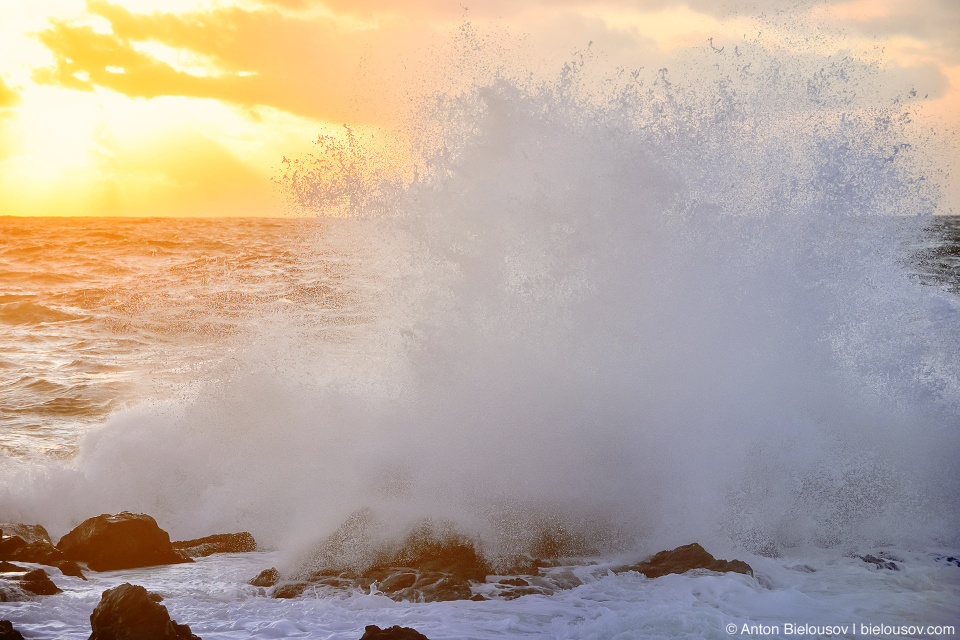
<point x="630" y="315"/>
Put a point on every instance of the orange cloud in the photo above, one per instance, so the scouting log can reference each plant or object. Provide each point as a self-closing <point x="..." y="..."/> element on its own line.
<point x="262" y="57"/>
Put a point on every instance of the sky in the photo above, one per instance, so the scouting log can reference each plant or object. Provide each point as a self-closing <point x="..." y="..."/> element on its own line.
<point x="189" y="107"/>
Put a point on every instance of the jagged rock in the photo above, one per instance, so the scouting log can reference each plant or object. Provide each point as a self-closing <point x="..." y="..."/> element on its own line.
<point x="428" y="567"/>
<point x="7" y="632"/>
<point x="27" y="532"/>
<point x="220" y="543"/>
<point x="9" y="566"/>
<point x="396" y="632"/>
<point x="123" y="541"/>
<point x="685" y="558"/>
<point x="129" y="612"/>
<point x="266" y="578"/>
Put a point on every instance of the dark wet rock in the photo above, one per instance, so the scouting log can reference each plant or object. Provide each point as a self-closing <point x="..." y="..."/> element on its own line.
<point x="20" y="583"/>
<point x="7" y="632"/>
<point x="39" y="551"/>
<point x="39" y="583"/>
<point x="11" y="592"/>
<point x="880" y="563"/>
<point x="290" y="589"/>
<point x="396" y="632"/>
<point x="9" y="566"/>
<point x="129" y="612"/>
<point x="427" y="550"/>
<point x="683" y="559"/>
<point x="123" y="541"/>
<point x="515" y="582"/>
<point x="26" y="532"/>
<point x="477" y="597"/>
<point x="266" y="578"/>
<point x="519" y="592"/>
<point x="398" y="582"/>
<point x="430" y="566"/>
<point x="220" y="543"/>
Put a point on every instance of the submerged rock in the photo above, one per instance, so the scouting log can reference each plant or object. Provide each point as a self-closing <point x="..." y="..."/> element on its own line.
<point x="130" y="612"/>
<point x="7" y="632"/>
<point x="881" y="563"/>
<point x="685" y="558"/>
<point x="220" y="543"/>
<point x="123" y="541"/>
<point x="39" y="583"/>
<point x="396" y="632"/>
<point x="20" y="583"/>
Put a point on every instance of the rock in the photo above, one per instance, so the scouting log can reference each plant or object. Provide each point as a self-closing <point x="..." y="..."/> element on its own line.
<point x="39" y="583"/>
<point x="27" y="532"/>
<point x="683" y="559"/>
<point x="7" y="632"/>
<point x="220" y="543"/>
<point x="290" y="590"/>
<point x="398" y="581"/>
<point x="129" y="612"/>
<point x="880" y="562"/>
<point x="40" y="551"/>
<point x="396" y="632"/>
<point x="123" y="541"/>
<point x="430" y="566"/>
<point x="11" y="592"/>
<point x="20" y="583"/>
<point x="426" y="550"/>
<point x="947" y="560"/>
<point x="266" y="578"/>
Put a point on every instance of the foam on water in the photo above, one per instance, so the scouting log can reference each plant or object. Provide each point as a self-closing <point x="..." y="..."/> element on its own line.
<point x="825" y="589"/>
<point x="638" y="310"/>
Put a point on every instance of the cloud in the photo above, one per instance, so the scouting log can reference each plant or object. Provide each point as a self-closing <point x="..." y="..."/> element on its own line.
<point x="935" y="22"/>
<point x="8" y="97"/>
<point x="263" y="57"/>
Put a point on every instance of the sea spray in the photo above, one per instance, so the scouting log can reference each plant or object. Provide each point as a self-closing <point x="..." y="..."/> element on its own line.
<point x="618" y="308"/>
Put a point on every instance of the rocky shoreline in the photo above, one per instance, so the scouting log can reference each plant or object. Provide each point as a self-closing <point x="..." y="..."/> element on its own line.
<point x="433" y="563"/>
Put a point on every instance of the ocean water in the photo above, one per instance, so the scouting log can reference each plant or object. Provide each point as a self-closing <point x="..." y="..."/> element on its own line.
<point x="638" y="312"/>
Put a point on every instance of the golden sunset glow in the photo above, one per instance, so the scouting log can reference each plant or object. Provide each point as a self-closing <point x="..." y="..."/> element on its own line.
<point x="188" y="107"/>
